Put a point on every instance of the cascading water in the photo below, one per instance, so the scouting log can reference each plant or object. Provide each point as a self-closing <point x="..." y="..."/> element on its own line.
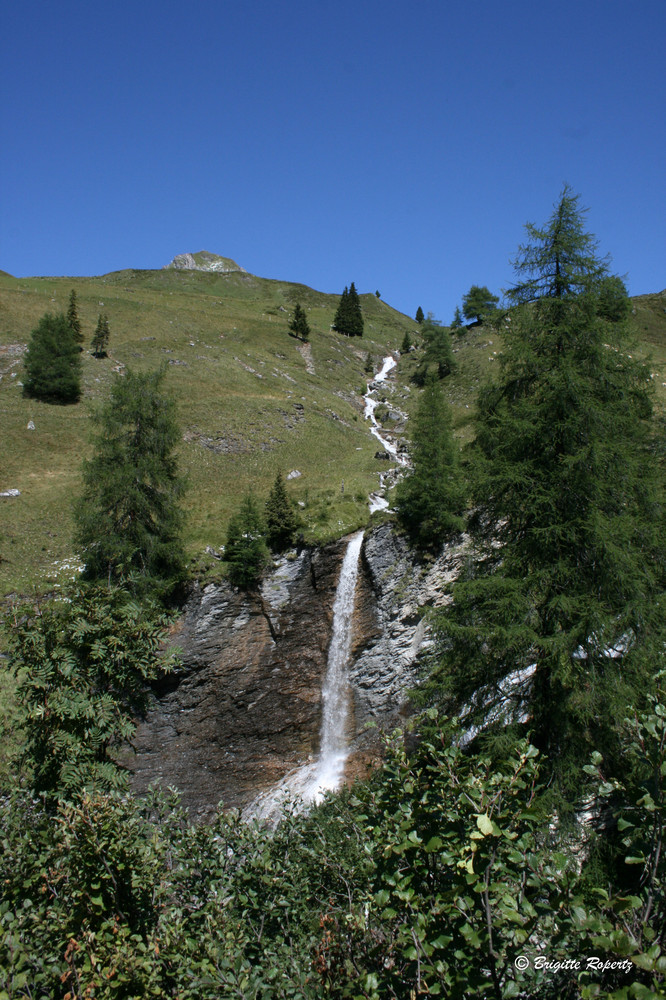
<point x="377" y="501"/>
<point x="308" y="783"/>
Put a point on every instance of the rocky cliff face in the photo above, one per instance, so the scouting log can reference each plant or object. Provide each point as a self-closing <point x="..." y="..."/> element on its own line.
<point x="245" y="707"/>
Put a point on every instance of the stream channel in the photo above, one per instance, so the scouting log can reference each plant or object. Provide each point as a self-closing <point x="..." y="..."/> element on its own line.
<point x="309" y="783"/>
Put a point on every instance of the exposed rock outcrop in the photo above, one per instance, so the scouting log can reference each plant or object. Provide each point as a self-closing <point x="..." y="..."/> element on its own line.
<point x="245" y="706"/>
<point x="205" y="261"/>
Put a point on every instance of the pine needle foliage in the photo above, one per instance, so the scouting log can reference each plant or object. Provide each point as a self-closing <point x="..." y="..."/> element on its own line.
<point x="562" y="608"/>
<point x="128" y="518"/>
<point x="280" y="517"/>
<point x="73" y="320"/>
<point x="52" y="362"/>
<point x="430" y="499"/>
<point x="349" y="317"/>
<point x="246" y="551"/>
<point x="100" y="340"/>
<point x="299" y="325"/>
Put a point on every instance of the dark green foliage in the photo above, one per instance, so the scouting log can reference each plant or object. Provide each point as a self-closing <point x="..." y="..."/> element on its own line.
<point x="430" y="499"/>
<point x="299" y="326"/>
<point x="406" y="345"/>
<point x="73" y="320"/>
<point x="457" y="323"/>
<point x="479" y="303"/>
<point x="348" y="316"/>
<point x="569" y="517"/>
<point x="100" y="340"/>
<point x="419" y="315"/>
<point x="437" y="875"/>
<point x="128" y="518"/>
<point x="82" y="663"/>
<point x="437" y="353"/>
<point x="52" y="362"/>
<point x="368" y="367"/>
<point x="246" y="551"/>
<point x="280" y="517"/>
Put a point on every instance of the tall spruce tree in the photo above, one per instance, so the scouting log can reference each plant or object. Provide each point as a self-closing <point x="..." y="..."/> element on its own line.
<point x="430" y="499"/>
<point x="128" y="518"/>
<point x="53" y="362"/>
<point x="561" y="612"/>
<point x="73" y="319"/>
<point x="419" y="315"/>
<point x="245" y="550"/>
<point x="349" y="316"/>
<point x="280" y="517"/>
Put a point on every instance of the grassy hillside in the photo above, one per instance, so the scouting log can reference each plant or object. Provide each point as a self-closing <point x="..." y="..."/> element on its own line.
<point x="251" y="400"/>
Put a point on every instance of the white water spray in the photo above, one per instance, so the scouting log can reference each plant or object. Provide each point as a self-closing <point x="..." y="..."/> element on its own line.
<point x="377" y="501"/>
<point x="309" y="783"/>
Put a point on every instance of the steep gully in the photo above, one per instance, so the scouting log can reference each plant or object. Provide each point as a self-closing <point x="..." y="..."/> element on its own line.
<point x="276" y="688"/>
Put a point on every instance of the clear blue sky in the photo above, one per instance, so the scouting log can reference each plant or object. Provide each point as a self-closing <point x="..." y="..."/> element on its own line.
<point x="401" y="146"/>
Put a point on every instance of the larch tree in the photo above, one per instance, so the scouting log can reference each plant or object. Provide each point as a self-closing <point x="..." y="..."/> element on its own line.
<point x="129" y="519"/>
<point x="560" y="614"/>
<point x="479" y="303"/>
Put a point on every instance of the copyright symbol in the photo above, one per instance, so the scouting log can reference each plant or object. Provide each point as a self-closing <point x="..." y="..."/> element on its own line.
<point x="522" y="963"/>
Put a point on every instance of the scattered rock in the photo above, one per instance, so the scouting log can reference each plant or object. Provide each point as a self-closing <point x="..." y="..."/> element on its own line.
<point x="31" y="425"/>
<point x="294" y="474"/>
<point x="10" y="493"/>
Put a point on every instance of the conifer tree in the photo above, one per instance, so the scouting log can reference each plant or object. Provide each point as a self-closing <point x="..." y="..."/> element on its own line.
<point x="53" y="362"/>
<point x="73" y="319"/>
<point x="479" y="303"/>
<point x="128" y="518"/>
<point x="438" y="352"/>
<point x="299" y="324"/>
<point x="355" y="313"/>
<point x="246" y="551"/>
<point x="280" y="517"/>
<point x="100" y="339"/>
<point x="419" y="315"/>
<point x="457" y="322"/>
<point x="406" y="345"/>
<point x="564" y="598"/>
<point x="348" y="316"/>
<point x="430" y="499"/>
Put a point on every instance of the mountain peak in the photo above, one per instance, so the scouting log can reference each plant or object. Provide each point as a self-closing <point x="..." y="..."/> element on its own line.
<point x="204" y="261"/>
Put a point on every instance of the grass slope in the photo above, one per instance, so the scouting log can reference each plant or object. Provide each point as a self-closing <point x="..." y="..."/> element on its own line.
<point x="251" y="399"/>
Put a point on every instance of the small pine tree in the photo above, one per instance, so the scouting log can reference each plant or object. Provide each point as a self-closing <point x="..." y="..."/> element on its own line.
<point x="406" y="345"/>
<point x="246" y="551"/>
<point x="100" y="340"/>
<point x="457" y="323"/>
<point x="369" y="368"/>
<point x="299" y="326"/>
<point x="280" y="517"/>
<point x="419" y="315"/>
<point x="438" y="352"/>
<point x="53" y="362"/>
<point x="73" y="320"/>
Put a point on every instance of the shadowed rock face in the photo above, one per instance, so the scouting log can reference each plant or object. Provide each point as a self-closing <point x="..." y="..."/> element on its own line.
<point x="245" y="706"/>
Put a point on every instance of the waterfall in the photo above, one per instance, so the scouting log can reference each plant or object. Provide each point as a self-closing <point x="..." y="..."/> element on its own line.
<point x="309" y="783"/>
<point x="377" y="500"/>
